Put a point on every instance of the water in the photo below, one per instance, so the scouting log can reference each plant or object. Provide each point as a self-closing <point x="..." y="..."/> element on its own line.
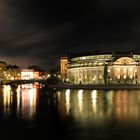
<point x="71" y="114"/>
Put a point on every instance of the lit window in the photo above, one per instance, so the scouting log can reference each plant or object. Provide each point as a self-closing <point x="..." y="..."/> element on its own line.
<point x="131" y="76"/>
<point x="100" y="76"/>
<point x="118" y="77"/>
<point x="124" y="69"/>
<point x="94" y="78"/>
<point x="124" y="76"/>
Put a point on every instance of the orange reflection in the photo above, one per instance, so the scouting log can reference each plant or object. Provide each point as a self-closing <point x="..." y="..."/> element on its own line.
<point x="28" y="100"/>
<point x="100" y="107"/>
<point x="67" y="94"/>
<point x="7" y="98"/>
<point x="127" y="107"/>
<point x="18" y="100"/>
<point x="94" y="99"/>
<point x="80" y="98"/>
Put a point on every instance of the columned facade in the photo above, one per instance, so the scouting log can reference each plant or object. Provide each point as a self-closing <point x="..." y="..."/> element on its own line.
<point x="88" y="75"/>
<point x="91" y="69"/>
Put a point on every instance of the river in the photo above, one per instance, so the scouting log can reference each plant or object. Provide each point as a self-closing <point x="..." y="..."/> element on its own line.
<point x="71" y="114"/>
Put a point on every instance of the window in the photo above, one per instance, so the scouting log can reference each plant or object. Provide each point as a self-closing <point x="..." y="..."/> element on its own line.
<point x="124" y="76"/>
<point x="118" y="77"/>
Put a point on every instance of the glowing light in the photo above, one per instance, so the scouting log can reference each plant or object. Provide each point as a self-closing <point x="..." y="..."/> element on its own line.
<point x="58" y="96"/>
<point x="80" y="98"/>
<point x="100" y="76"/>
<point x="94" y="78"/>
<point x="67" y="79"/>
<point x="18" y="100"/>
<point x="32" y="99"/>
<point x="28" y="100"/>
<point x="27" y="74"/>
<point x="67" y="93"/>
<point x="12" y="78"/>
<point x="94" y="97"/>
<point x="118" y="77"/>
<point x="124" y="69"/>
<point x="131" y="76"/>
<point x="124" y="76"/>
<point x="7" y="98"/>
<point x="94" y="94"/>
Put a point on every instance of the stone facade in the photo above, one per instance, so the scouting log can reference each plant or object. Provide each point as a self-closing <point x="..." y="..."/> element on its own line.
<point x="121" y="69"/>
<point x="63" y="67"/>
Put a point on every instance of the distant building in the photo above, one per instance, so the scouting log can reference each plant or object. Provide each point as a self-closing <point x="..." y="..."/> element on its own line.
<point x="12" y="72"/>
<point x="63" y="67"/>
<point x="3" y="66"/>
<point x="122" y="68"/>
<point x="29" y="74"/>
<point x="38" y="69"/>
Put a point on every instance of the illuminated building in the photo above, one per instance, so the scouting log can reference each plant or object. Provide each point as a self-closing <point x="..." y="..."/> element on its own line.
<point x="3" y="66"/>
<point x="122" y="68"/>
<point x="12" y="73"/>
<point x="29" y="74"/>
<point x="63" y="67"/>
<point x="38" y="70"/>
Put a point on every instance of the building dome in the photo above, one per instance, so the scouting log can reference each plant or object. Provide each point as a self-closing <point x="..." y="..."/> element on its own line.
<point x="125" y="61"/>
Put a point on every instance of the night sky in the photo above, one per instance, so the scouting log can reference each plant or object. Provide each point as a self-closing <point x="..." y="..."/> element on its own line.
<point x="38" y="32"/>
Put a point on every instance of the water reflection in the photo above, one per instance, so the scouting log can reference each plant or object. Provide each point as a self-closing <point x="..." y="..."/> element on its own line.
<point x="67" y="94"/>
<point x="94" y="98"/>
<point x="127" y="106"/>
<point x="7" y="99"/>
<point x="25" y="98"/>
<point x="100" y="107"/>
<point x="83" y="107"/>
<point x="80" y="98"/>
<point x="28" y="101"/>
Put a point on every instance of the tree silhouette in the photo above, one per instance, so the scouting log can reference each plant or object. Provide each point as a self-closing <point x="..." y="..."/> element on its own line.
<point x="106" y="74"/>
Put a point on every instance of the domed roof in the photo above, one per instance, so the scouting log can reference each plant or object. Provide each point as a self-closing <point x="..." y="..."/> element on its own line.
<point x="125" y="61"/>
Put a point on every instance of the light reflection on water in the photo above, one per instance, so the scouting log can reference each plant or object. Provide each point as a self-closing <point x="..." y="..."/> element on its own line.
<point x="101" y="107"/>
<point x="7" y="99"/>
<point x="26" y="100"/>
<point x="86" y="108"/>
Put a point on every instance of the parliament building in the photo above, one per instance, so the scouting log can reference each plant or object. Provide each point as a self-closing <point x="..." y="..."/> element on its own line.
<point x="119" y="68"/>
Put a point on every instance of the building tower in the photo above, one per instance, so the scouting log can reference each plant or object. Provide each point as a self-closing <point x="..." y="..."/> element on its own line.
<point x="63" y="67"/>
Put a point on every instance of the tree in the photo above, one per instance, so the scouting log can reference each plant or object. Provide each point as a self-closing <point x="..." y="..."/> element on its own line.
<point x="106" y="74"/>
<point x="12" y="67"/>
<point x="54" y="77"/>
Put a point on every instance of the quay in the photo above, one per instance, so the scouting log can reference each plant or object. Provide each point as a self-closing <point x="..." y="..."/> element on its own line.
<point x="77" y="86"/>
<point x="96" y="86"/>
<point x="19" y="82"/>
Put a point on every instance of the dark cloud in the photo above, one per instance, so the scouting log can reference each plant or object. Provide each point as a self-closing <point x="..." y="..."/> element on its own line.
<point x="39" y="32"/>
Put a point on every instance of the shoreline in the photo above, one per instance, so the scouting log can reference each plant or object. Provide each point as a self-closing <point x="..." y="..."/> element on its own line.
<point x="96" y="87"/>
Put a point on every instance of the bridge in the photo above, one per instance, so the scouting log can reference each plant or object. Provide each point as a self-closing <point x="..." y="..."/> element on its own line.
<point x="19" y="82"/>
